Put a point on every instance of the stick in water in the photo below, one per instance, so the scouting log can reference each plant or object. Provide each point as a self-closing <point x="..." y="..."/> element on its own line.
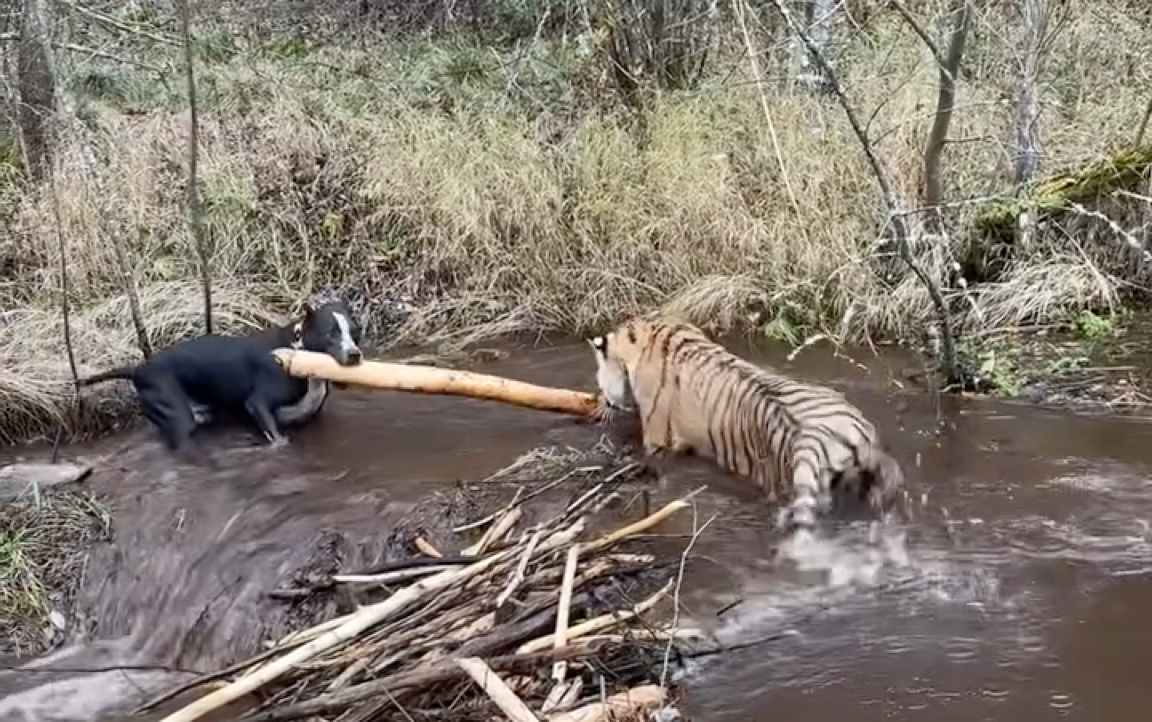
<point x="434" y="380"/>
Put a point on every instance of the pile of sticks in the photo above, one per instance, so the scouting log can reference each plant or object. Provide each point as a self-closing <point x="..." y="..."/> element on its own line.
<point x="504" y="629"/>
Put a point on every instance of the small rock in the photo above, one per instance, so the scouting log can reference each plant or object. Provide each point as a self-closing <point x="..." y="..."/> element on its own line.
<point x="15" y="479"/>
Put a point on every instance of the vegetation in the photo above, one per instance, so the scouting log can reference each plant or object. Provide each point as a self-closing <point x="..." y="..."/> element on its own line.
<point x="535" y="165"/>
<point x="44" y="541"/>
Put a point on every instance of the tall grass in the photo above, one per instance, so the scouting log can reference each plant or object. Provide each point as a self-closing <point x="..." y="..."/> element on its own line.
<point x="498" y="189"/>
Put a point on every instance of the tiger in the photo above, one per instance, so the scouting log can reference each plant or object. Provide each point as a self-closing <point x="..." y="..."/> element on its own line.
<point x="693" y="396"/>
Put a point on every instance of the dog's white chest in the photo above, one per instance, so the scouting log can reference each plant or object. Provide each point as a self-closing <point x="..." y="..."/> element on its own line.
<point x="307" y="406"/>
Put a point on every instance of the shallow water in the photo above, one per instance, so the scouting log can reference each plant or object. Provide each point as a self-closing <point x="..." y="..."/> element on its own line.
<point x="1024" y="592"/>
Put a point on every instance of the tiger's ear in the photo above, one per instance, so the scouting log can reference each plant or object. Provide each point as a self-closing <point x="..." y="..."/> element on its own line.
<point x="599" y="344"/>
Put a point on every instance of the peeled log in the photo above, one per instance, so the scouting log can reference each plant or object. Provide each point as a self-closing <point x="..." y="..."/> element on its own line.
<point x="434" y="380"/>
<point x="633" y="704"/>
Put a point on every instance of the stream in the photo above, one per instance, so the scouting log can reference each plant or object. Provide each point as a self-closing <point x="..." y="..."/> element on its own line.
<point x="1023" y="588"/>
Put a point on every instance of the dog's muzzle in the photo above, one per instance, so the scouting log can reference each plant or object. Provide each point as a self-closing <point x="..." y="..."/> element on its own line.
<point x="350" y="357"/>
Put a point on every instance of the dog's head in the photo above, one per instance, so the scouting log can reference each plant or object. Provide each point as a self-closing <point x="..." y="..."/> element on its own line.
<point x="330" y="328"/>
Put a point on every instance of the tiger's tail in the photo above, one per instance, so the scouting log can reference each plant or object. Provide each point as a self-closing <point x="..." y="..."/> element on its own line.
<point x="126" y="373"/>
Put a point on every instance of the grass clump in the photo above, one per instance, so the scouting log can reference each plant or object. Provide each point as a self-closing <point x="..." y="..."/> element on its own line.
<point x="44" y="542"/>
<point x="501" y="185"/>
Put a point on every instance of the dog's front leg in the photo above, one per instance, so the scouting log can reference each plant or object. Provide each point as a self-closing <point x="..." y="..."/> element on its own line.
<point x="266" y="421"/>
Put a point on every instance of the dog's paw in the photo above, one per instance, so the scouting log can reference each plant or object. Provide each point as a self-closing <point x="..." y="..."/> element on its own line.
<point x="278" y="443"/>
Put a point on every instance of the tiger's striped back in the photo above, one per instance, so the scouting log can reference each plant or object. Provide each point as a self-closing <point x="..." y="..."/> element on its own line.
<point x="793" y="438"/>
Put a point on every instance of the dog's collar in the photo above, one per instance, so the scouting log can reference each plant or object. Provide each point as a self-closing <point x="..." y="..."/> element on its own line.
<point x="298" y="335"/>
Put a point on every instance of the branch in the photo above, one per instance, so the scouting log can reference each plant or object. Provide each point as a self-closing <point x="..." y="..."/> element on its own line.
<point x="194" y="232"/>
<point x="113" y="22"/>
<point x="944" y="65"/>
<point x="894" y="215"/>
<point x="1143" y="124"/>
<point x="108" y="56"/>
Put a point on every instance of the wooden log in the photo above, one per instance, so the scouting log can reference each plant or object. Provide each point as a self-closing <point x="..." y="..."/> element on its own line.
<point x="15" y="479"/>
<point x="435" y="380"/>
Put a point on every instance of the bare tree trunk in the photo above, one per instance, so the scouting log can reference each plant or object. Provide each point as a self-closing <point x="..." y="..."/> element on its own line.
<point x="958" y="24"/>
<point x="36" y="84"/>
<point x="811" y="72"/>
<point x="1027" y="147"/>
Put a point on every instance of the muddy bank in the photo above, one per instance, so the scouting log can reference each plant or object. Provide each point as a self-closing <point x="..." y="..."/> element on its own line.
<point x="1098" y="365"/>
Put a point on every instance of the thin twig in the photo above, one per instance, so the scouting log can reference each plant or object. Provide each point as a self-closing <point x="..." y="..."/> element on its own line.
<point x="676" y="598"/>
<point x="741" y="8"/>
<point x="518" y="577"/>
<point x="390" y="577"/>
<point x="1132" y="241"/>
<point x="65" y="307"/>
<point x="193" y="199"/>
<point x="1143" y="124"/>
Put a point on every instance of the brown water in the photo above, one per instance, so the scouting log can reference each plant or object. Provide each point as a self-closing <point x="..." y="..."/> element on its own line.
<point x="1026" y="592"/>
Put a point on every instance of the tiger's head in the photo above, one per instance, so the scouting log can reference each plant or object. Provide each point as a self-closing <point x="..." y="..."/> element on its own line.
<point x="612" y="373"/>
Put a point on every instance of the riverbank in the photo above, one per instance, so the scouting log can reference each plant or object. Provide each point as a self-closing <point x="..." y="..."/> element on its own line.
<point x="498" y="188"/>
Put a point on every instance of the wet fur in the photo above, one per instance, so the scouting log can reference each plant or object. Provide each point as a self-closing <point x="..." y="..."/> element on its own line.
<point x="187" y="384"/>
<point x="798" y="441"/>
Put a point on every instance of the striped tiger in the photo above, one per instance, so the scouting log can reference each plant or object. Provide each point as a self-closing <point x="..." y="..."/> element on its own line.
<point x="794" y="439"/>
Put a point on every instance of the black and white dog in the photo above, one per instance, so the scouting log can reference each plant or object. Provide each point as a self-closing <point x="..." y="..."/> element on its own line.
<point x="188" y="383"/>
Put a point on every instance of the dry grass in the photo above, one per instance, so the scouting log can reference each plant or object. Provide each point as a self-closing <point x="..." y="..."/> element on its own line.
<point x="486" y="185"/>
<point x="44" y="542"/>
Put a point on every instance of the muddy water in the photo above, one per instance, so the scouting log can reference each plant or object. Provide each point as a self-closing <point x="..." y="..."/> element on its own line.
<point x="1022" y="591"/>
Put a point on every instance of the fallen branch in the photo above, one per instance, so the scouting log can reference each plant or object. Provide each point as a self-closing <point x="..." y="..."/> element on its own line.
<point x="434" y="380"/>
<point x="494" y="687"/>
<point x="604" y="621"/>
<point x="437" y="673"/>
<point x="359" y="622"/>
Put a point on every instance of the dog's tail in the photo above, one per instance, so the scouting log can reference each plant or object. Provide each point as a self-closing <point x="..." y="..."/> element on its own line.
<point x="120" y="372"/>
